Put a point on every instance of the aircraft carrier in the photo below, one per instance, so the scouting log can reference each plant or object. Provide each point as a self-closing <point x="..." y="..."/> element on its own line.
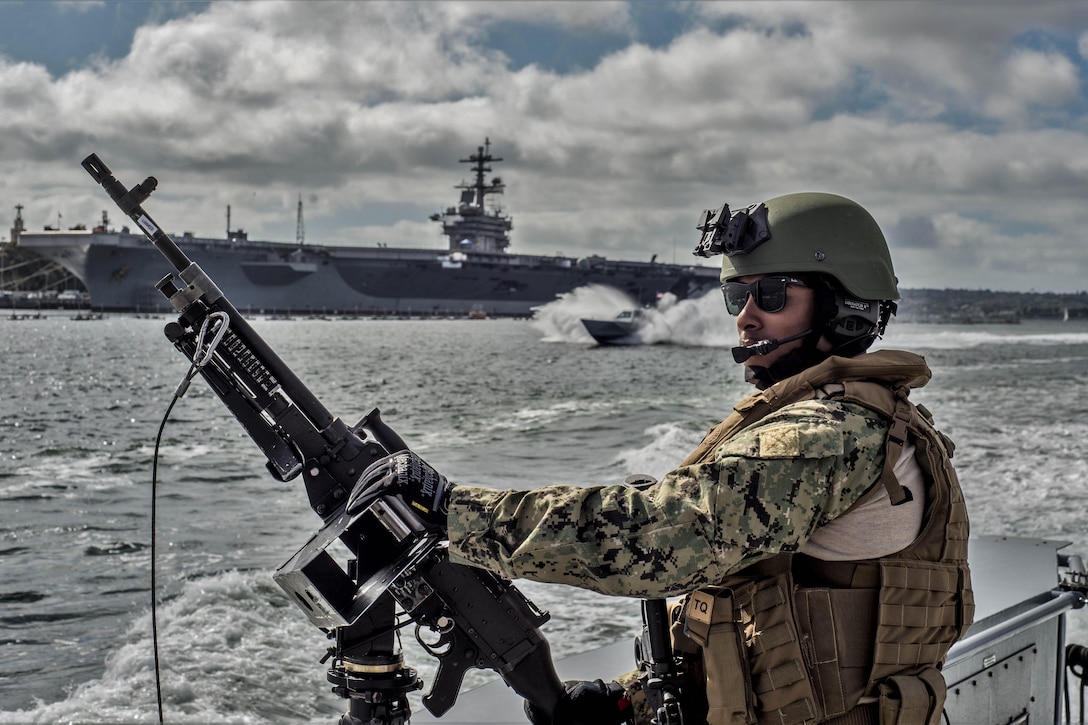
<point x="473" y="275"/>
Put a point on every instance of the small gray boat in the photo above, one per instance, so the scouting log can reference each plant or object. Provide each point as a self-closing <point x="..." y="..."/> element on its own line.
<point x="623" y="329"/>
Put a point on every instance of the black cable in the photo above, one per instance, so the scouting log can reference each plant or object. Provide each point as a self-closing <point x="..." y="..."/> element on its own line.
<point x="154" y="507"/>
<point x="1065" y="696"/>
<point x="1076" y="663"/>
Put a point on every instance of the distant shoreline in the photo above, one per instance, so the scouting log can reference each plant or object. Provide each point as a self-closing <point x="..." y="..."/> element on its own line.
<point x="940" y="306"/>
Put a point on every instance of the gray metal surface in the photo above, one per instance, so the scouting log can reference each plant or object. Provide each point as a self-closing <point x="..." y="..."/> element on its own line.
<point x="1006" y="670"/>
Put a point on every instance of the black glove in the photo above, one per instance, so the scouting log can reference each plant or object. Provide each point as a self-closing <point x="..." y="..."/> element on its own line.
<point x="406" y="475"/>
<point x="587" y="703"/>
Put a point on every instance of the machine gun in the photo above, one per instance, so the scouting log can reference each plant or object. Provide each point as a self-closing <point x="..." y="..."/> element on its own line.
<point x="475" y="618"/>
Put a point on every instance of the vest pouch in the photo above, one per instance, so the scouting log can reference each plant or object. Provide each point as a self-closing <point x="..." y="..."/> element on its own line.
<point x="838" y="628"/>
<point x="709" y="617"/>
<point x="913" y="699"/>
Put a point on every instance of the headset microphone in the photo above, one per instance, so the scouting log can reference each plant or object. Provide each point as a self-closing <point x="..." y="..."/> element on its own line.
<point x="741" y="354"/>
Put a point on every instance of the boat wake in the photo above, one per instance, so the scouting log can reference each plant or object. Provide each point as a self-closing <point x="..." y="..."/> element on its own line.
<point x="698" y="322"/>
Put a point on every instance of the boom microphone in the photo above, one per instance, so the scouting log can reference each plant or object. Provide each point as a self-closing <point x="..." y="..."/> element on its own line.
<point x="741" y="354"/>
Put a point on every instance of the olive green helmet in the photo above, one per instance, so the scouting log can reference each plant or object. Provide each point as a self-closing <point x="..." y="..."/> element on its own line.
<point x="813" y="232"/>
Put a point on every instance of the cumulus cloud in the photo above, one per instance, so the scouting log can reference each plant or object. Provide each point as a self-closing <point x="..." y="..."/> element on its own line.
<point x="1033" y="79"/>
<point x="917" y="110"/>
<point x="1044" y="78"/>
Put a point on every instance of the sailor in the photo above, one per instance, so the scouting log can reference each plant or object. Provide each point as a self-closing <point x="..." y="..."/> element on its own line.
<point x="816" y="538"/>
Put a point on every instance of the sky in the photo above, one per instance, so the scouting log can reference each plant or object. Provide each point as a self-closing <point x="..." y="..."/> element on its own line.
<point x="961" y="126"/>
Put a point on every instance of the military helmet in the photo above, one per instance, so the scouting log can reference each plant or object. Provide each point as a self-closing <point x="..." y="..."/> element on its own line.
<point x="828" y="241"/>
<point x="817" y="233"/>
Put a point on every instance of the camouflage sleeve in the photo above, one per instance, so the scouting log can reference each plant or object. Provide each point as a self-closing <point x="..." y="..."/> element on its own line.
<point x="764" y="492"/>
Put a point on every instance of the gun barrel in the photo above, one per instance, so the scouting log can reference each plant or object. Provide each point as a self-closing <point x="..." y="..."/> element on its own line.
<point x="129" y="201"/>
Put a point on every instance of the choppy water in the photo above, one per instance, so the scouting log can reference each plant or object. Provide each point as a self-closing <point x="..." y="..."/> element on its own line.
<point x="500" y="403"/>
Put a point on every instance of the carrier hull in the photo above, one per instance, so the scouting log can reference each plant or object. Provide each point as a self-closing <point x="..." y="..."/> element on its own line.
<point x="120" y="272"/>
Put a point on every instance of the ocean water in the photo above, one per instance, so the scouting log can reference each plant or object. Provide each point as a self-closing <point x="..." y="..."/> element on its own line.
<point x="500" y="403"/>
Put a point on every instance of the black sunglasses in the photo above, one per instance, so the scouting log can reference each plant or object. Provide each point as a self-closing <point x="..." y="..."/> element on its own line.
<point x="769" y="293"/>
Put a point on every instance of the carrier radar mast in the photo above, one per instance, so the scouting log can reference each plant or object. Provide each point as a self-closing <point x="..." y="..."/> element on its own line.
<point x="470" y="226"/>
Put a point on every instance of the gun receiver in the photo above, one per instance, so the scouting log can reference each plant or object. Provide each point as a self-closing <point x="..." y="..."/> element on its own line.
<point x="479" y="619"/>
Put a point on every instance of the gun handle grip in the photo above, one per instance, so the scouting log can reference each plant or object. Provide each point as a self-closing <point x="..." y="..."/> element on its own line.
<point x="451" y="673"/>
<point x="383" y="434"/>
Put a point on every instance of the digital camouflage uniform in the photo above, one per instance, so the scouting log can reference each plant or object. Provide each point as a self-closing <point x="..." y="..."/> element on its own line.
<point x="764" y="492"/>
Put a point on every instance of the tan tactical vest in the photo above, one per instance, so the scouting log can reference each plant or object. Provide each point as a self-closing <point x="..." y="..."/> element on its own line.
<point x="793" y="639"/>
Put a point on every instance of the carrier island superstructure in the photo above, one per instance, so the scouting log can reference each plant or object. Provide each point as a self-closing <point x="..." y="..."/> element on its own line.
<point x="473" y="274"/>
